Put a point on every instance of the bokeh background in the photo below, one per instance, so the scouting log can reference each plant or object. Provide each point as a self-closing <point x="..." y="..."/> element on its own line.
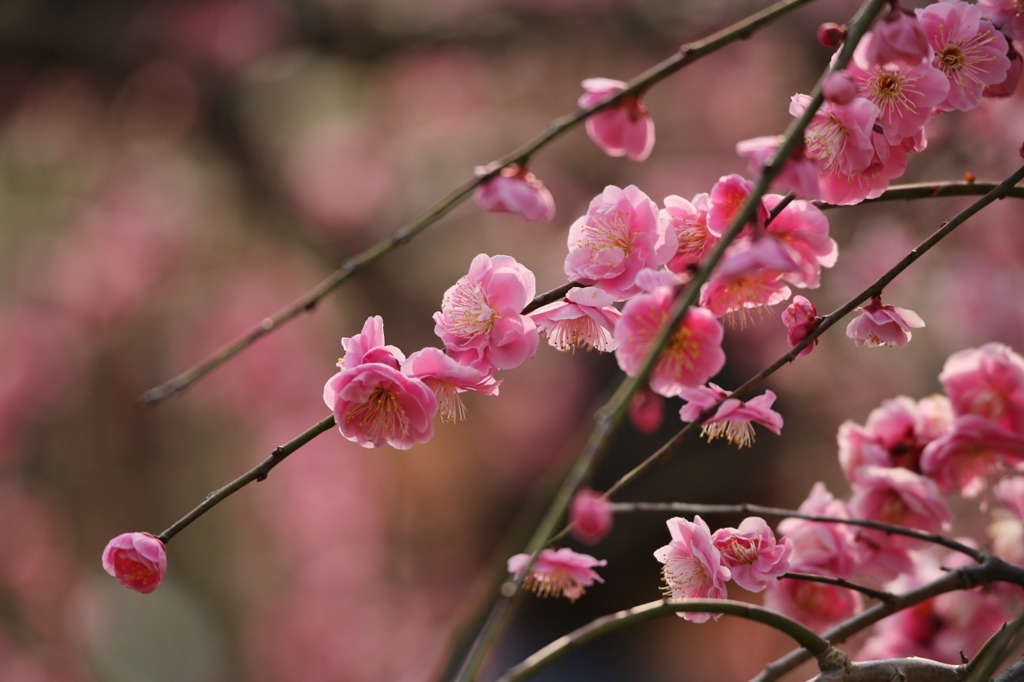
<point x="171" y="172"/>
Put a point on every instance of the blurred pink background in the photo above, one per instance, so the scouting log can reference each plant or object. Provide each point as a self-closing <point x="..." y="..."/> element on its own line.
<point x="173" y="172"/>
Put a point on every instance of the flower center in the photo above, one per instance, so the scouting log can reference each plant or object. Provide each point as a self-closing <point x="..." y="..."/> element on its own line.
<point x="449" y="405"/>
<point x="381" y="417"/>
<point x="738" y="433"/>
<point x="684" y="574"/>
<point x="607" y="228"/>
<point x="826" y="141"/>
<point x="554" y="583"/>
<point x="466" y="310"/>
<point x="951" y="58"/>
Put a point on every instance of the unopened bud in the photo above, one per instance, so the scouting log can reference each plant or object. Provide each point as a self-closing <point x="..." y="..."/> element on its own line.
<point x="831" y="34"/>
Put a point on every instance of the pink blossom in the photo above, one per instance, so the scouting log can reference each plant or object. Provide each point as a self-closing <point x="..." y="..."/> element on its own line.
<point x="734" y="419"/>
<point x="752" y="554"/>
<point x="899" y="497"/>
<point x="1009" y="84"/>
<point x="965" y="457"/>
<point x="883" y="325"/>
<point x="1007" y="15"/>
<point x="749" y="278"/>
<point x="689" y="221"/>
<point x="374" y="403"/>
<point x="988" y="382"/>
<point x="839" y="88"/>
<point x="839" y="136"/>
<point x="447" y="379"/>
<point x="826" y="548"/>
<point x="727" y="198"/>
<point x="1007" y="531"/>
<point x="368" y="346"/>
<point x="137" y="560"/>
<point x="480" y="321"/>
<point x="898" y="38"/>
<point x="968" y="50"/>
<point x="646" y="411"/>
<point x="590" y="516"/>
<point x="803" y="228"/>
<point x="585" y="318"/>
<point x="692" y="356"/>
<point x="798" y="173"/>
<point x="618" y="237"/>
<point x="557" y="573"/>
<point x="801" y="318"/>
<point x="693" y="567"/>
<point x="889" y="162"/>
<point x="624" y="129"/>
<point x="816" y="605"/>
<point x="515" y="190"/>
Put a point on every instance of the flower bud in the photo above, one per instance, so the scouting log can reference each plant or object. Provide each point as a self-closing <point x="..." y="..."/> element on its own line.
<point x="137" y="560"/>
<point x="590" y="516"/>
<point x="831" y="34"/>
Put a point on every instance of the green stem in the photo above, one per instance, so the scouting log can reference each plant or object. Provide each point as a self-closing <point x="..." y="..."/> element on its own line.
<point x="994" y="651"/>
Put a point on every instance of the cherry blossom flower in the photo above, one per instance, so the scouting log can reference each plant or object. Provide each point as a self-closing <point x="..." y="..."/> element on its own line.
<point x="692" y="356"/>
<point x="839" y="136"/>
<point x="515" y="190"/>
<point x="969" y="453"/>
<point x="734" y="419"/>
<point x="825" y="548"/>
<point x="751" y="553"/>
<point x="480" y="321"/>
<point x="1007" y="15"/>
<point x="693" y="567"/>
<point x="816" y="605"/>
<point x="618" y="237"/>
<point x="968" y="50"/>
<point x="803" y="228"/>
<point x="883" y="325"/>
<point x="801" y="318"/>
<point x="689" y="221"/>
<point x="447" y="379"/>
<point x="368" y="346"/>
<point x="625" y="129"/>
<point x="899" y="497"/>
<point x="585" y="318"/>
<point x="898" y="38"/>
<point x="988" y="382"/>
<point x="374" y="404"/>
<point x="557" y="573"/>
<point x="798" y="173"/>
<point x="137" y="560"/>
<point x="590" y="516"/>
<point x="646" y="411"/>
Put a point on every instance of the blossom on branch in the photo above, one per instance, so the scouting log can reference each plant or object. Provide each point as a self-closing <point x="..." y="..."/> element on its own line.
<point x="515" y="190"/>
<point x="447" y="379"/>
<point x="801" y="318"/>
<point x="988" y="382"/>
<point x="693" y="566"/>
<point x="883" y="325"/>
<point x="623" y="129"/>
<point x="584" y="318"/>
<point x="734" y="419"/>
<point x="137" y="560"/>
<point x="752" y="554"/>
<point x="557" y="573"/>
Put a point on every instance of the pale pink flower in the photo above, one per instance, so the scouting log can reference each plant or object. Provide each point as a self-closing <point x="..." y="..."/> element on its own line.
<point x="693" y="567"/>
<point x="988" y="382"/>
<point x="899" y="497"/>
<point x="693" y="354"/>
<point x="965" y="457"/>
<point x="689" y="221"/>
<point x="803" y="228"/>
<point x="515" y="190"/>
<point x="734" y="419"/>
<point x="137" y="560"/>
<point x="618" y="237"/>
<point x="883" y="325"/>
<point x="480" y="321"/>
<point x="368" y="346"/>
<point x="590" y="516"/>
<point x="447" y="378"/>
<point x="624" y="129"/>
<point x="801" y="318"/>
<point x="899" y="38"/>
<point x="798" y="175"/>
<point x="646" y="411"/>
<point x="839" y="136"/>
<point x="968" y="50"/>
<point x="751" y="553"/>
<point x="1007" y="15"/>
<point x="749" y="279"/>
<point x="825" y="548"/>
<point x="584" y="318"/>
<point x="557" y="573"/>
<point x="816" y="605"/>
<point x="839" y="88"/>
<point x="374" y="404"/>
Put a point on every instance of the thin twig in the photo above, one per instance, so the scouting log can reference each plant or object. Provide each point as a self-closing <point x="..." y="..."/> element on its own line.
<point x="884" y="597"/>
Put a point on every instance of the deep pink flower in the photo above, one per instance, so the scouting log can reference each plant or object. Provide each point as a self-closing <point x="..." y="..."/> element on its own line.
<point x="727" y="198"/>
<point x="447" y="379"/>
<point x="584" y="318"/>
<point x="590" y="516"/>
<point x="368" y="346"/>
<point x="899" y="38"/>
<point x="515" y="190"/>
<point x="693" y="565"/>
<point x="899" y="497"/>
<point x="801" y="318"/>
<point x="825" y="548"/>
<point x="1007" y="15"/>
<point x="618" y="237"/>
<point x="883" y="325"/>
<point x="839" y="88"/>
<point x="689" y="221"/>
<point x="137" y="560"/>
<point x="803" y="228"/>
<point x="965" y="457"/>
<point x="692" y="356"/>
<point x="968" y="50"/>
<point x="557" y="573"/>
<point x="646" y="411"/>
<point x="889" y="162"/>
<point x="798" y="175"/>
<point x="374" y="404"/>
<point x="625" y="129"/>
<point x="839" y="136"/>
<point x="816" y="605"/>
<point x="751" y="553"/>
<point x="749" y="279"/>
<point x="480" y="321"/>
<point x="734" y="419"/>
<point x="988" y="382"/>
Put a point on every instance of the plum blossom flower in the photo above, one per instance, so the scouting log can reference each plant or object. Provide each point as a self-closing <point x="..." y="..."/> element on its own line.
<point x="839" y="136"/>
<point x="480" y="321"/>
<point x="590" y="516"/>
<point x="1009" y="84"/>
<point x="749" y="279"/>
<point x="618" y="237"/>
<point x="693" y="566"/>
<point x="689" y="221"/>
<point x="803" y="228"/>
<point x="899" y="497"/>
<point x="968" y="50"/>
<point x="798" y="173"/>
<point x="969" y="453"/>
<point x="137" y="560"/>
<point x="826" y="548"/>
<point x="898" y="38"/>
<point x="839" y="88"/>
<point x="1007" y="15"/>
<point x="734" y="419"/>
<point x="888" y="162"/>
<point x="693" y="354"/>
<point x="727" y="198"/>
<point x="801" y="318"/>
<point x="883" y="325"/>
<point x="988" y="382"/>
<point x="557" y="573"/>
<point x="584" y="318"/>
<point x="751" y="553"/>
<point x="515" y="190"/>
<point x="625" y="129"/>
<point x="374" y="404"/>
<point x="816" y="605"/>
<point x="368" y="346"/>
<point x="447" y="379"/>
<point x="646" y="411"/>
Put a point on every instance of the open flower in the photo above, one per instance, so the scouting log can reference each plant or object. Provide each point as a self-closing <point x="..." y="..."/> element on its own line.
<point x="447" y="379"/>
<point x="752" y="554"/>
<point x="137" y="560"/>
<point x="689" y="220"/>
<point x="584" y="318"/>
<point x="625" y="129"/>
<point x="368" y="346"/>
<point x="693" y="565"/>
<point x="988" y="382"/>
<point x="557" y="573"/>
<point x="883" y="325"/>
<point x="515" y="190"/>
<point x="733" y="418"/>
